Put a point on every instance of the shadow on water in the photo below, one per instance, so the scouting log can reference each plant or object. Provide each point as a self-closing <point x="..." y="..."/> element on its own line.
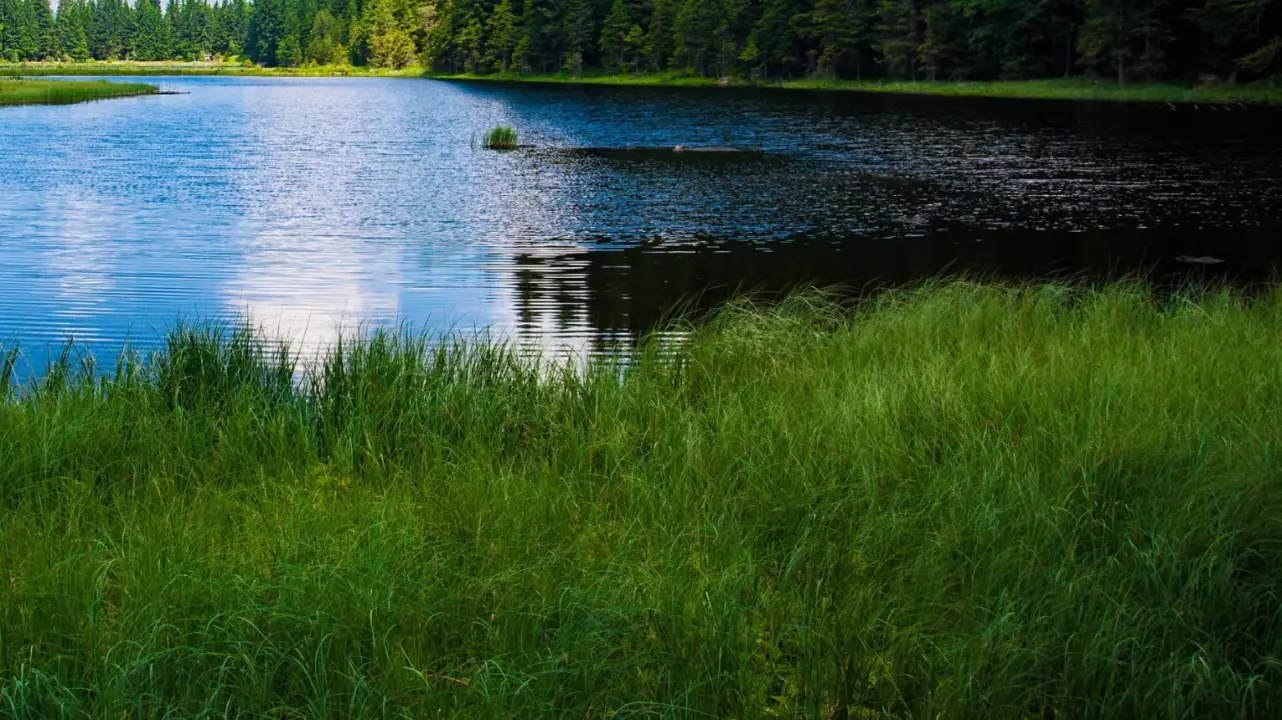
<point x="629" y="290"/>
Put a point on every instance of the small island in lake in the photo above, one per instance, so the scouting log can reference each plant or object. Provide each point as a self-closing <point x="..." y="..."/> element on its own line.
<point x="18" y="91"/>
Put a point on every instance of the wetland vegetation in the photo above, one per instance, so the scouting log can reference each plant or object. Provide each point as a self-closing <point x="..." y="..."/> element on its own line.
<point x="966" y="500"/>
<point x="51" y="92"/>
<point x="501" y="138"/>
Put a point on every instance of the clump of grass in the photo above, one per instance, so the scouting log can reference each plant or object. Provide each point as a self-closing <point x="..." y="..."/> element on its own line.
<point x="964" y="501"/>
<point x="501" y="138"/>
<point x="56" y="92"/>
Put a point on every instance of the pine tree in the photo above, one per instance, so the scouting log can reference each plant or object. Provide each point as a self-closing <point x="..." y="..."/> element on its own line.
<point x="840" y="30"/>
<point x="150" y="37"/>
<point x="580" y="30"/>
<point x="897" y="20"/>
<point x="1105" y="37"/>
<point x="44" y="40"/>
<point x="264" y="32"/>
<point x="109" y="29"/>
<point x="634" y="46"/>
<point x="501" y="33"/>
<point x="323" y="43"/>
<point x="659" y="37"/>
<point x="11" y="12"/>
<point x="1244" y="34"/>
<point x="943" y="40"/>
<point x="542" y="36"/>
<point x="774" y="38"/>
<point x="614" y="34"/>
<point x="695" y="35"/>
<point x="72" y="19"/>
<point x="470" y="44"/>
<point x="436" y="19"/>
<point x="390" y="45"/>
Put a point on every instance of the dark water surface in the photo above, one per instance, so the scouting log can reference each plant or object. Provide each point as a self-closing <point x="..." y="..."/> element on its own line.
<point x="317" y="205"/>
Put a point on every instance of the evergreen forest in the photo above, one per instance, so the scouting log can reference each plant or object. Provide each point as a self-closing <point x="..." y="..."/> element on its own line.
<point x="1124" y="40"/>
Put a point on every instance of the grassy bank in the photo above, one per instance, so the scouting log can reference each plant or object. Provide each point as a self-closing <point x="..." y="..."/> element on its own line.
<point x="58" y="92"/>
<point x="1067" y="89"/>
<point x="1075" y="89"/>
<point x="145" y="69"/>
<point x="968" y="501"/>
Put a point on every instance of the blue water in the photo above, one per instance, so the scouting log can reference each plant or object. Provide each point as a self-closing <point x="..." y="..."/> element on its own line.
<point x="315" y="206"/>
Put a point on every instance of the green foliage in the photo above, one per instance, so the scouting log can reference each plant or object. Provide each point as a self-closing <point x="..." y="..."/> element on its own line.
<point x="501" y="138"/>
<point x="73" y="17"/>
<point x="614" y="36"/>
<point x="964" y="501"/>
<point x="324" y="46"/>
<point x="897" y="20"/>
<point x="1149" y="40"/>
<point x="501" y="37"/>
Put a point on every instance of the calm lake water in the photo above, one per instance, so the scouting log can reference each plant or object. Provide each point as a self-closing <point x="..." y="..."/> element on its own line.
<point x="315" y="206"/>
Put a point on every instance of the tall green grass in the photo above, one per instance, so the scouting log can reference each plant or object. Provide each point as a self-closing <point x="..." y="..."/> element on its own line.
<point x="964" y="501"/>
<point x="501" y="138"/>
<point x="58" y="92"/>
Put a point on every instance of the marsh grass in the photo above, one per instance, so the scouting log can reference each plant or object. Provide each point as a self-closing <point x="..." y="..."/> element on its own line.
<point x="58" y="92"/>
<point x="500" y="138"/>
<point x="964" y="501"/>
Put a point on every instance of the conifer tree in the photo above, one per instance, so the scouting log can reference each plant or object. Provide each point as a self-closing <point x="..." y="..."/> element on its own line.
<point x="614" y="35"/>
<point x="72" y="39"/>
<point x="501" y="33"/>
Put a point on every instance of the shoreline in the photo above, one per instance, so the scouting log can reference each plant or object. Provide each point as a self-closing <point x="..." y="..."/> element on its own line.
<point x="1059" y="89"/>
<point x="1262" y="95"/>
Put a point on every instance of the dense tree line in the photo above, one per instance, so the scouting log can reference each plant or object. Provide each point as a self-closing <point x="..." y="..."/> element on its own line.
<point x="764" y="39"/>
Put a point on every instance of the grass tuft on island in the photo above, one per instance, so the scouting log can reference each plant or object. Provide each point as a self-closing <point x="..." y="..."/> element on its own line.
<point x="966" y="500"/>
<point x="501" y="138"/>
<point x="58" y="92"/>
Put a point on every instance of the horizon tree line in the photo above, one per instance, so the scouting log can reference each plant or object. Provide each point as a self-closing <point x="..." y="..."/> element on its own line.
<point x="1124" y="40"/>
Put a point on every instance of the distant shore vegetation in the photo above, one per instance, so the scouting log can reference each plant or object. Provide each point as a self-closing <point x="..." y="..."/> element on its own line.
<point x="1163" y="41"/>
<point x="1062" y="89"/>
<point x="58" y="92"/>
<point x="967" y="500"/>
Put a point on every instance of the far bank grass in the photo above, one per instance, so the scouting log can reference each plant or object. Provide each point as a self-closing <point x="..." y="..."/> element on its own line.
<point x="59" y="92"/>
<point x="1067" y="89"/>
<point x="145" y="69"/>
<point x="1063" y="89"/>
<point x="964" y="501"/>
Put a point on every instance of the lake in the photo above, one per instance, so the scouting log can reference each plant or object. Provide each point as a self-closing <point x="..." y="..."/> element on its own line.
<point x="315" y="206"/>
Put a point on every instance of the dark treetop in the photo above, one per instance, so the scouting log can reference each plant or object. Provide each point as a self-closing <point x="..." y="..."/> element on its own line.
<point x="765" y="39"/>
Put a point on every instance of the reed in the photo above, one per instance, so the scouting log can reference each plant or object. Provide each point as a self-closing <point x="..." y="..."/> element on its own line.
<point x="501" y="138"/>
<point x="57" y="92"/>
<point x="967" y="500"/>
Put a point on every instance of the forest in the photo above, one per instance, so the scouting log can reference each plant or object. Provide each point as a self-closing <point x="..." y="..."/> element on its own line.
<point x="1204" y="41"/>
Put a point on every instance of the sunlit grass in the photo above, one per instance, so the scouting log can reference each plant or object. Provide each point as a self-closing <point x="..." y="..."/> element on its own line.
<point x="57" y="92"/>
<point x="501" y="138"/>
<point x="964" y="501"/>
